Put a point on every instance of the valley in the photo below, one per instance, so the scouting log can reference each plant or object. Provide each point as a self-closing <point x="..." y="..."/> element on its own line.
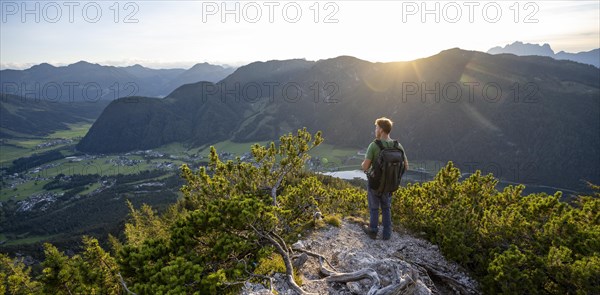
<point x="71" y="169"/>
<point x="88" y="193"/>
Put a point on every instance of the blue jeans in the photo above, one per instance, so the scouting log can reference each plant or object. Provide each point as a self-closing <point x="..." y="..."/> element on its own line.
<point x="375" y="202"/>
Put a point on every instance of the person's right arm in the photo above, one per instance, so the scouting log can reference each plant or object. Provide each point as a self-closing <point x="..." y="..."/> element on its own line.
<point x="368" y="158"/>
<point x="365" y="165"/>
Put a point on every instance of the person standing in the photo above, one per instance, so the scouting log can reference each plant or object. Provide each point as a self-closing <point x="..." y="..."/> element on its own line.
<point x="383" y="127"/>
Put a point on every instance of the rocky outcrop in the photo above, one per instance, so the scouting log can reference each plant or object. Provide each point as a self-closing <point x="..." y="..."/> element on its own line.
<point x="343" y="260"/>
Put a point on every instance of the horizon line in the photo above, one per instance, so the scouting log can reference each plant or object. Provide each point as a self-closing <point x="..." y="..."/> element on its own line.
<point x="186" y="65"/>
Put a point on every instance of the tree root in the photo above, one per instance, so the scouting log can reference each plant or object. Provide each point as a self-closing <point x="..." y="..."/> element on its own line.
<point x="451" y="282"/>
<point x="402" y="283"/>
<point x="316" y="255"/>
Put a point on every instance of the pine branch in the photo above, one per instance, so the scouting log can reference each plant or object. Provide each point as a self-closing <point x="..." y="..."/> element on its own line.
<point x="124" y="285"/>
<point x="289" y="268"/>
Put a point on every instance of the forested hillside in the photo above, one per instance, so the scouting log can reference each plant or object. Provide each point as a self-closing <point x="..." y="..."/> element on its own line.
<point x="26" y="117"/>
<point x="236" y="215"/>
<point x="528" y="119"/>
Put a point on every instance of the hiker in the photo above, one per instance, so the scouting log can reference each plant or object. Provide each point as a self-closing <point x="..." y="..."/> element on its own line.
<point x="383" y="127"/>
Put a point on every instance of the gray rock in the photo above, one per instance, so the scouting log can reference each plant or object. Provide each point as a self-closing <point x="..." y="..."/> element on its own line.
<point x="394" y="262"/>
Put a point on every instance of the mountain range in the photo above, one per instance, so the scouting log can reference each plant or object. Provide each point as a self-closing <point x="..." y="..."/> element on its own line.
<point x="84" y="81"/>
<point x="529" y="119"/>
<point x="591" y="57"/>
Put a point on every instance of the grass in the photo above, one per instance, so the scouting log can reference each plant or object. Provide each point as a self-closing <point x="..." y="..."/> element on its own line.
<point x="95" y="166"/>
<point x="357" y="220"/>
<point x="9" y="153"/>
<point x="19" y="148"/>
<point x="26" y="143"/>
<point x="24" y="146"/>
<point x="333" y="220"/>
<point x="75" y="130"/>
<point x="333" y="153"/>
<point x="175" y="148"/>
<point x="23" y="191"/>
<point x="274" y="264"/>
<point x="91" y="188"/>
<point x="101" y="166"/>
<point x="152" y="179"/>
<point x="29" y="240"/>
<point x="336" y="157"/>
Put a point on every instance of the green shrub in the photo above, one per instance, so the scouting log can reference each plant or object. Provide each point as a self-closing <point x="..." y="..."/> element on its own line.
<point x="333" y="220"/>
<point x="512" y="243"/>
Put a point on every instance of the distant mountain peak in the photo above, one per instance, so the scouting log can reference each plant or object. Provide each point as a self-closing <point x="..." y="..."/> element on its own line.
<point x="136" y="66"/>
<point x="83" y="64"/>
<point x="346" y="57"/>
<point x="591" y="57"/>
<point x="454" y="51"/>
<point x="340" y="62"/>
<point x="277" y="61"/>
<point x="343" y="59"/>
<point x="520" y="48"/>
<point x="42" y="66"/>
<point x="273" y="67"/>
<point x="204" y="65"/>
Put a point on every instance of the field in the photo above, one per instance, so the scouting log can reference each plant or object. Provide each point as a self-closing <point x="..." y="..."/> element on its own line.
<point x="23" y="191"/>
<point x="14" y="148"/>
<point x="176" y="148"/>
<point x="8" y="153"/>
<point x="91" y="188"/>
<point x="29" y="240"/>
<point x="76" y="130"/>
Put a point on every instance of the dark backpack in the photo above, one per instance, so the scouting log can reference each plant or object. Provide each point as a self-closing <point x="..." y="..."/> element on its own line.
<point x="388" y="168"/>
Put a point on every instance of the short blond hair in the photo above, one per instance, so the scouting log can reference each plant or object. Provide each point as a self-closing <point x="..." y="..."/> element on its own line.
<point x="385" y="124"/>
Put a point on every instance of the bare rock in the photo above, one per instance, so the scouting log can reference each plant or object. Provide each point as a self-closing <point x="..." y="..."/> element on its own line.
<point x="401" y="265"/>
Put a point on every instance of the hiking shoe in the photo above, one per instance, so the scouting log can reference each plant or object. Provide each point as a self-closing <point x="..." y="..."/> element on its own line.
<point x="387" y="234"/>
<point x="369" y="232"/>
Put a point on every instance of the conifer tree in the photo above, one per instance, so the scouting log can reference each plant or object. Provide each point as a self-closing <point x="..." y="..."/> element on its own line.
<point x="233" y="214"/>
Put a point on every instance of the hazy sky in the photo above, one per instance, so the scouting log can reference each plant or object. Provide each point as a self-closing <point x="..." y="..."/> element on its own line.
<point x="164" y="34"/>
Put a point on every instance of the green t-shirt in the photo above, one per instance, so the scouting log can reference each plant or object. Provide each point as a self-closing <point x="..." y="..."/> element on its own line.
<point x="373" y="149"/>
